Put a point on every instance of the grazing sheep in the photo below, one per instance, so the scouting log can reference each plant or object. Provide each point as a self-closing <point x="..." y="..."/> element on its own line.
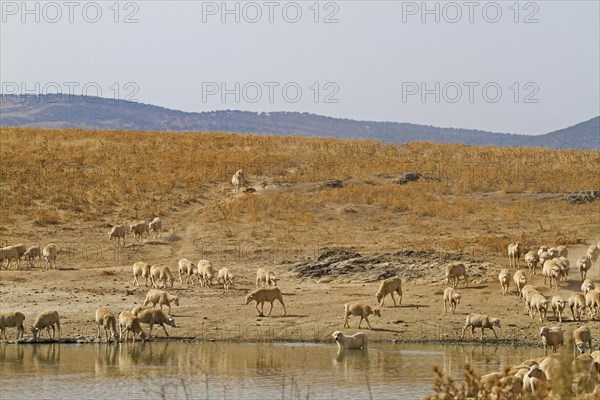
<point x="265" y="277"/>
<point x="538" y="303"/>
<point x="46" y="319"/>
<point x="141" y="269"/>
<point x="532" y="259"/>
<point x="389" y="286"/>
<point x="592" y="302"/>
<point x="593" y="252"/>
<point x="482" y="321"/>
<point x="552" y="336"/>
<point x="226" y="277"/>
<point x="118" y="233"/>
<point x="9" y="253"/>
<point x="238" y="180"/>
<point x="514" y="253"/>
<point x="585" y="264"/>
<point x="265" y="294"/>
<point x="520" y="279"/>
<point x="582" y="338"/>
<point x="533" y="379"/>
<point x="551" y="270"/>
<point x="138" y="309"/>
<point x="161" y="298"/>
<point x="205" y="273"/>
<point x="453" y="273"/>
<point x="12" y="319"/>
<point x="154" y="316"/>
<point x="130" y="324"/>
<point x="504" y="278"/>
<point x="577" y="305"/>
<point x="138" y="230"/>
<point x="21" y="249"/>
<point x="31" y="253"/>
<point x="155" y="227"/>
<point x="106" y="320"/>
<point x="558" y="305"/>
<point x="562" y="251"/>
<point x="587" y="285"/>
<point x="451" y="299"/>
<point x="361" y="310"/>
<point x="187" y="268"/>
<point x="50" y="253"/>
<point x="161" y="273"/>
<point x="357" y="341"/>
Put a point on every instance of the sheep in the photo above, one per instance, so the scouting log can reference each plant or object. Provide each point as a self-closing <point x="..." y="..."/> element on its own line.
<point x="361" y="310"/>
<point x="527" y="292"/>
<point x="205" y="273"/>
<point x="562" y="251"/>
<point x="154" y="316"/>
<point x="587" y="285"/>
<point x="509" y="386"/>
<point x="504" y="278"/>
<point x="118" y="233"/>
<point x="9" y="253"/>
<point x="533" y="378"/>
<point x="451" y="299"/>
<point x="20" y="250"/>
<point x="226" y="276"/>
<point x="552" y="336"/>
<point x="514" y="253"/>
<point x="142" y="269"/>
<point x="551" y="269"/>
<point x="265" y="294"/>
<point x="564" y="264"/>
<point x="161" y="273"/>
<point x="532" y="259"/>
<point x="138" y="230"/>
<point x="265" y="277"/>
<point x="130" y="324"/>
<point x="454" y="271"/>
<point x="389" y="286"/>
<point x="161" y="298"/>
<point x="586" y="374"/>
<point x="238" y="180"/>
<point x="593" y="252"/>
<point x="577" y="305"/>
<point x="138" y="309"/>
<point x="540" y="304"/>
<point x="520" y="279"/>
<point x="31" y="253"/>
<point x="592" y="302"/>
<point x="558" y="305"/>
<point x="187" y="268"/>
<point x="12" y="319"/>
<point x="155" y="227"/>
<point x="482" y="321"/>
<point x="582" y="338"/>
<point x="46" y="319"/>
<point x="584" y="264"/>
<point x="49" y="252"/>
<point x="106" y="320"/>
<point x="357" y="341"/>
<point x="541" y="250"/>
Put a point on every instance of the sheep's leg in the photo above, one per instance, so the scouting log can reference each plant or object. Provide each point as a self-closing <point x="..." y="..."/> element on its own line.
<point x="284" y="310"/>
<point x="393" y="298"/>
<point x="368" y="324"/>
<point x="165" y="329"/>
<point x="58" y="327"/>
<point x="482" y="329"/>
<point x="98" y="333"/>
<point x="270" y="309"/>
<point x="399" y="297"/>
<point x="445" y="307"/>
<point x="360" y="322"/>
<point x="346" y="325"/>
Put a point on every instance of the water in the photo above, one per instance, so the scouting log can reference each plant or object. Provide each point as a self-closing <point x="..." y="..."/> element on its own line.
<point x="163" y="370"/>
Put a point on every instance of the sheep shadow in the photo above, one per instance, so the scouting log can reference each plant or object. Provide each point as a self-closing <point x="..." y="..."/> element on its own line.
<point x="412" y="306"/>
<point x="287" y="316"/>
<point x="385" y="330"/>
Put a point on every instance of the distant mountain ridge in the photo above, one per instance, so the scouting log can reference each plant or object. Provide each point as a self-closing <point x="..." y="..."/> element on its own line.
<point x="73" y="111"/>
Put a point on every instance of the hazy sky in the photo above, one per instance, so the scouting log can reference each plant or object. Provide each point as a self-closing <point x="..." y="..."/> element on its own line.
<point x="505" y="66"/>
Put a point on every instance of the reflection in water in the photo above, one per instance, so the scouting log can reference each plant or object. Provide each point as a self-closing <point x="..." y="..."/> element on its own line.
<point x="232" y="370"/>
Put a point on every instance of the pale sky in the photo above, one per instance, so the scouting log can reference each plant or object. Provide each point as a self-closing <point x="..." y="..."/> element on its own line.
<point x="504" y="66"/>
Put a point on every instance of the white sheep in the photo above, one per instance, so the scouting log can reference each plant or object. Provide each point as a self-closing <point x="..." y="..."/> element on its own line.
<point x="238" y="180"/>
<point x="514" y="253"/>
<point x="592" y="302"/>
<point x="265" y="294"/>
<point x="553" y="337"/>
<point x="527" y="293"/>
<point x="562" y="251"/>
<point x="585" y="264"/>
<point x="138" y="309"/>
<point x="504" y="278"/>
<point x="129" y="323"/>
<point x="553" y="252"/>
<point x="21" y="249"/>
<point x="31" y="253"/>
<point x="9" y="253"/>
<point x="389" y="286"/>
<point x="558" y="306"/>
<point x="265" y="277"/>
<point x="118" y="233"/>
<point x="155" y="227"/>
<point x="47" y="319"/>
<point x="577" y="305"/>
<point x="225" y="276"/>
<point x="532" y="259"/>
<point x="12" y="319"/>
<point x="551" y="270"/>
<point x="541" y="250"/>
<point x="161" y="273"/>
<point x="205" y="272"/>
<point x="142" y="269"/>
<point x="582" y="338"/>
<point x="539" y="304"/>
<point x="482" y="321"/>
<point x="359" y="309"/>
<point x="587" y="285"/>
<point x="187" y="268"/>
<point x="357" y="341"/>
<point x="593" y="252"/>
<point x="138" y="230"/>
<point x="564" y="264"/>
<point x="533" y="378"/>
<point x="161" y="298"/>
<point x="520" y="279"/>
<point x="154" y="316"/>
<point x="453" y="273"/>
<point x="50" y="252"/>
<point x="105" y="319"/>
<point x="451" y="299"/>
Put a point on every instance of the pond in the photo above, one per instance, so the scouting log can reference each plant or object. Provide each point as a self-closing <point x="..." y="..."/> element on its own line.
<point x="176" y="370"/>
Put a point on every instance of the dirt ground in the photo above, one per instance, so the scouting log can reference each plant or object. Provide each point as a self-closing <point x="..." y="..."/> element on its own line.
<point x="93" y="272"/>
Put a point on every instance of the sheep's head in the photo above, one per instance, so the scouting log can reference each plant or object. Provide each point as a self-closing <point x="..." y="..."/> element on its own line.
<point x="336" y="335"/>
<point x="456" y="298"/>
<point x="176" y="300"/>
<point x="379" y="296"/>
<point x="377" y="312"/>
<point x="34" y="331"/>
<point x="249" y="298"/>
<point x="142" y="335"/>
<point x="171" y="322"/>
<point x="544" y="331"/>
<point x="495" y="322"/>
